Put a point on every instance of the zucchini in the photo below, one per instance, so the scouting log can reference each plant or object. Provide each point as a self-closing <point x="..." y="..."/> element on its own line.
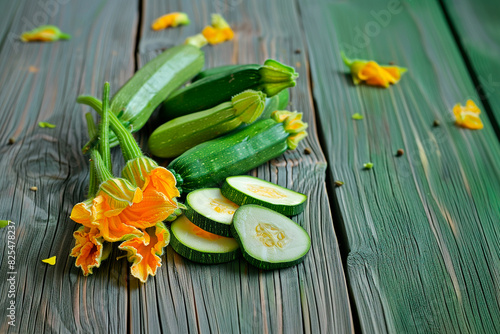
<point x="209" y="163"/>
<point x="218" y="70"/>
<point x="246" y="189"/>
<point x="271" y="78"/>
<point x="197" y="245"/>
<point x="269" y="240"/>
<point x="209" y="210"/>
<point x="277" y="102"/>
<point x="180" y="134"/>
<point x="138" y="98"/>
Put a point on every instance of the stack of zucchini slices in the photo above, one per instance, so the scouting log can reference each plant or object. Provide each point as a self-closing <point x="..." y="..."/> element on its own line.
<point x="248" y="216"/>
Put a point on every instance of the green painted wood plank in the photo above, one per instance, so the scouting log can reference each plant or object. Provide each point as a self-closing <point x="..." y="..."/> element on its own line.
<point x="40" y="82"/>
<point x="477" y="25"/>
<point x="422" y="229"/>
<point x="235" y="297"/>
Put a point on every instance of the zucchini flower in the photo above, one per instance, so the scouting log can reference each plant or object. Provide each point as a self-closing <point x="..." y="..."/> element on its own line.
<point x="170" y="20"/>
<point x="468" y="116"/>
<point x="144" y="251"/>
<point x="44" y="34"/>
<point x="118" y="210"/>
<point x="89" y="249"/>
<point x="372" y="73"/>
<point x="219" y="31"/>
<point x="293" y="125"/>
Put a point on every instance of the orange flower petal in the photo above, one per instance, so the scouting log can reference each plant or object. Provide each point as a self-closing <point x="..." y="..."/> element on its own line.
<point x="144" y="251"/>
<point x="170" y="20"/>
<point x="154" y="208"/>
<point x="115" y="228"/>
<point x="163" y="181"/>
<point x="82" y="213"/>
<point x="468" y="116"/>
<point x="88" y="249"/>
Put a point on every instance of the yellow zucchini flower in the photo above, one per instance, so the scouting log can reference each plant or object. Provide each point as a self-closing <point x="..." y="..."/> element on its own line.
<point x="372" y="73"/>
<point x="144" y="251"/>
<point x="468" y="116"/>
<point x="219" y="31"/>
<point x="44" y="34"/>
<point x="170" y="20"/>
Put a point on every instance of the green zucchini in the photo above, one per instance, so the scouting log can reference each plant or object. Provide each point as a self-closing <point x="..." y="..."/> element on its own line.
<point x="244" y="189"/>
<point x="271" y="78"/>
<point x="209" y="163"/>
<point x="180" y="134"/>
<point x="218" y="70"/>
<point x="197" y="245"/>
<point x="138" y="98"/>
<point x="277" y="102"/>
<point x="269" y="240"/>
<point x="209" y="210"/>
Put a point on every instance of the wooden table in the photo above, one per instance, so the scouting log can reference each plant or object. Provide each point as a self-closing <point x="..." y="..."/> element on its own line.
<point x="410" y="246"/>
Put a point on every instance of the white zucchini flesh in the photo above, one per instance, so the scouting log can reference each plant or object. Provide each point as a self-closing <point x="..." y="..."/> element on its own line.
<point x="268" y="239"/>
<point x="265" y="191"/>
<point x="200" y="240"/>
<point x="211" y="204"/>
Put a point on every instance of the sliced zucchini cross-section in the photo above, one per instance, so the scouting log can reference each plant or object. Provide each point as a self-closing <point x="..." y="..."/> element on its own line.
<point x="269" y="240"/>
<point x="211" y="211"/>
<point x="246" y="189"/>
<point x="197" y="245"/>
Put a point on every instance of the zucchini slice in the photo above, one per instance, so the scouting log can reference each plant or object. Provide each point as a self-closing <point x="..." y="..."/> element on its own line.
<point x="209" y="210"/>
<point x="268" y="239"/>
<point x="246" y="189"/>
<point x="197" y="245"/>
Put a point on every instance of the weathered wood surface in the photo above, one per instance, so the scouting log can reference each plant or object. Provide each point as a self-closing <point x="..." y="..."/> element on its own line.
<point x="422" y="229"/>
<point x="476" y="26"/>
<point x="40" y="82"/>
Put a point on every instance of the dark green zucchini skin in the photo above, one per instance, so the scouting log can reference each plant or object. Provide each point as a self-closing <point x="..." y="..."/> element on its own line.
<point x="217" y="70"/>
<point x="203" y="222"/>
<point x="202" y="257"/>
<point x="208" y="164"/>
<point x="270" y="78"/>
<point x="153" y="83"/>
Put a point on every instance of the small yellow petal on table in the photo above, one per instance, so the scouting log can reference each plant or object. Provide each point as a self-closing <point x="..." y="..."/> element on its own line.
<point x="50" y="260"/>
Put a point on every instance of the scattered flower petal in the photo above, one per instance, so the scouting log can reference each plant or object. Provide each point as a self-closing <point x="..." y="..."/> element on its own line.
<point x="468" y="116"/>
<point x="357" y="116"/>
<point x="44" y="34"/>
<point x="219" y="31"/>
<point x="170" y="20"/>
<point x="372" y="73"/>
<point x="50" y="260"/>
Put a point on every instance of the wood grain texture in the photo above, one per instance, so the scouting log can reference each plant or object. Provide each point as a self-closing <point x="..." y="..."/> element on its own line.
<point x="477" y="26"/>
<point x="41" y="82"/>
<point x="235" y="297"/>
<point x="423" y="228"/>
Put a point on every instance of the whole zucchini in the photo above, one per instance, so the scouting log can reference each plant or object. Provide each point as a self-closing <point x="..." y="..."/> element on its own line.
<point x="180" y="134"/>
<point x="218" y="70"/>
<point x="271" y="78"/>
<point x="147" y="88"/>
<point x="209" y="163"/>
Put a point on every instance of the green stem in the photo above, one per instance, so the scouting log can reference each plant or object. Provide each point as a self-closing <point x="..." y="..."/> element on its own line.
<point x="129" y="146"/>
<point x="93" y="181"/>
<point x="104" y="133"/>
<point x="102" y="172"/>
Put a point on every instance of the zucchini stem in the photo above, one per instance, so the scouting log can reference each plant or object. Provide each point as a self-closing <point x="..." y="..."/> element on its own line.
<point x="104" y="148"/>
<point x="102" y="172"/>
<point x="129" y="146"/>
<point x="93" y="180"/>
